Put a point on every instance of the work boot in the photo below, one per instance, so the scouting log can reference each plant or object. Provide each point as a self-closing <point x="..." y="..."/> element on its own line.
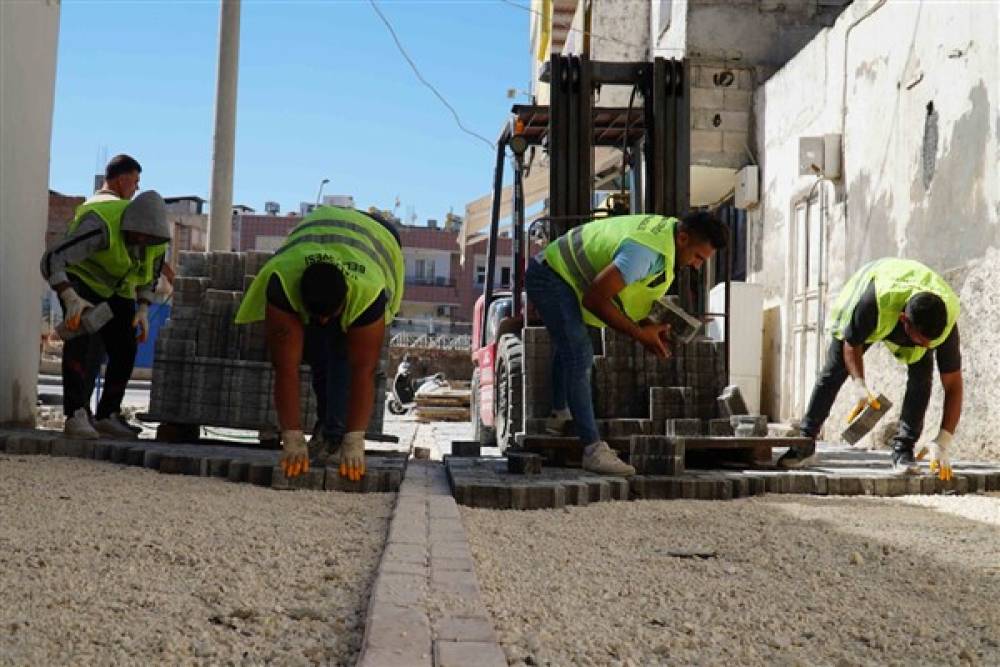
<point x="798" y="457"/>
<point x="601" y="459"/>
<point x="558" y="422"/>
<point x="114" y="426"/>
<point x="903" y="461"/>
<point x="319" y="450"/>
<point x="78" y="426"/>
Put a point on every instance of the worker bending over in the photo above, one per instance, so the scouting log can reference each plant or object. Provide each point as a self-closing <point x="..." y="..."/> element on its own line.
<point x="608" y="273"/>
<point x="113" y="252"/>
<point x="911" y="309"/>
<point x="327" y="296"/>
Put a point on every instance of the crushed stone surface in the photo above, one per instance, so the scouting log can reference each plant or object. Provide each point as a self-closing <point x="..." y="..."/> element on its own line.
<point x="105" y="564"/>
<point x="795" y="580"/>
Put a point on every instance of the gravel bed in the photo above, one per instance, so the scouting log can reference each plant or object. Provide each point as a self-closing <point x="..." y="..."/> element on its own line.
<point x="793" y="580"/>
<point x="103" y="564"/>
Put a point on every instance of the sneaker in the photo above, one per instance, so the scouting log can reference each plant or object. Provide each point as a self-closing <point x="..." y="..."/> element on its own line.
<point x="113" y="426"/>
<point x="798" y="457"/>
<point x="903" y="462"/>
<point x="78" y="426"/>
<point x="601" y="459"/>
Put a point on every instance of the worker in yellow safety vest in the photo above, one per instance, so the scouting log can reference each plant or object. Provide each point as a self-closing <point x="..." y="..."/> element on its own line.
<point x="113" y="253"/>
<point x="913" y="312"/>
<point x="609" y="272"/>
<point x="327" y="296"/>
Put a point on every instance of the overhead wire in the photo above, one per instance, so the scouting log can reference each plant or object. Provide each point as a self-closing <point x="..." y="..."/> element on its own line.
<point x="423" y="80"/>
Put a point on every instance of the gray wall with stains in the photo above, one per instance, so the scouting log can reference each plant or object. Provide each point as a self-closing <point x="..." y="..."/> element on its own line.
<point x="913" y="88"/>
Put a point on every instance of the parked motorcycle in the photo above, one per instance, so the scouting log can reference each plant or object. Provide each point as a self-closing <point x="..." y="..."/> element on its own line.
<point x="402" y="398"/>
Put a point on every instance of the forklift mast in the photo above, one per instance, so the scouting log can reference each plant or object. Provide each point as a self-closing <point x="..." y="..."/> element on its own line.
<point x="655" y="138"/>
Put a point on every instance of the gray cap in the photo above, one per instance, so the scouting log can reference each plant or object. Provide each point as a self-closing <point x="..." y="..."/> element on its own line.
<point x="147" y="214"/>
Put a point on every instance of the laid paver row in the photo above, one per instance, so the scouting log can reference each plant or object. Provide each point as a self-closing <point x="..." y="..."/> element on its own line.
<point x="237" y="464"/>
<point x="425" y="609"/>
<point x="486" y="482"/>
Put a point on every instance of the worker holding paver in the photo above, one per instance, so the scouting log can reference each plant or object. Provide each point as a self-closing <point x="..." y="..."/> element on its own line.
<point x="913" y="311"/>
<point x="113" y="253"/>
<point x="608" y="273"/>
<point x="327" y="296"/>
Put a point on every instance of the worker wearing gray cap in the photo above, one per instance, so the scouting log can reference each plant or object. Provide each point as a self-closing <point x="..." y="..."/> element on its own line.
<point x="113" y="253"/>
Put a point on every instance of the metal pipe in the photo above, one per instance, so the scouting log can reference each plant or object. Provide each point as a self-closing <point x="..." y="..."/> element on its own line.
<point x="220" y="216"/>
<point x="491" y="242"/>
<point x="518" y="236"/>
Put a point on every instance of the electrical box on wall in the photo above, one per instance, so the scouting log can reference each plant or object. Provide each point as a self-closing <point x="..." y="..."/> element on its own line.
<point x="820" y="156"/>
<point x="747" y="187"/>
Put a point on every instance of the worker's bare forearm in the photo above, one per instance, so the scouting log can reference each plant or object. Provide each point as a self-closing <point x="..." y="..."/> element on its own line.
<point x="854" y="359"/>
<point x="287" y="401"/>
<point x="608" y="313"/>
<point x="954" y="391"/>
<point x="362" y="397"/>
<point x="284" y="342"/>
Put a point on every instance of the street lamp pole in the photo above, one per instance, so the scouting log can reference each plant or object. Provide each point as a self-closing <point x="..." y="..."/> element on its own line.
<point x="320" y="193"/>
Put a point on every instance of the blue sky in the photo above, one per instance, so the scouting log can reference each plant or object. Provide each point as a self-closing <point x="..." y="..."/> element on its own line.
<point x="323" y="93"/>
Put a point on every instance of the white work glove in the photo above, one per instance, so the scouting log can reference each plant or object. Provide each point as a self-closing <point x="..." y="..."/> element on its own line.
<point x="940" y="460"/>
<point x="295" y="454"/>
<point x="141" y="321"/>
<point x="863" y="396"/>
<point x="352" y="456"/>
<point x="75" y="305"/>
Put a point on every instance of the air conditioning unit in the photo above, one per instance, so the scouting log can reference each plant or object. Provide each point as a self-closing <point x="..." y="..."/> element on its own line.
<point x="747" y="187"/>
<point x="820" y="156"/>
<point x="272" y="207"/>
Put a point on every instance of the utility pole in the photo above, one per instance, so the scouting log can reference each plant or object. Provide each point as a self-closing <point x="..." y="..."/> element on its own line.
<point x="220" y="217"/>
<point x="320" y="193"/>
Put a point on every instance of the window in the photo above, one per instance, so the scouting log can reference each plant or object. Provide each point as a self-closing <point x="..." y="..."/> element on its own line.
<point x="505" y="276"/>
<point x="481" y="275"/>
<point x="418" y="269"/>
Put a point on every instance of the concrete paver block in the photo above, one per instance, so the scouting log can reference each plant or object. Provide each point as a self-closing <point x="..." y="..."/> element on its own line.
<point x="467" y="629"/>
<point x="405" y="590"/>
<point x="176" y="464"/>
<point x="238" y="470"/>
<point x="465" y="448"/>
<point x="468" y="654"/>
<point x="214" y="467"/>
<point x="398" y="628"/>
<point x="80" y="449"/>
<point x="523" y="463"/>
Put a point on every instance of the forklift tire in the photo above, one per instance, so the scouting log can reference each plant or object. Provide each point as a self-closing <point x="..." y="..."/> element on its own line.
<point x="509" y="396"/>
<point x="484" y="435"/>
<point x="395" y="407"/>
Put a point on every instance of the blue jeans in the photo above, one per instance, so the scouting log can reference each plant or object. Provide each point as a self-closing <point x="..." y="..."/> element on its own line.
<point x="572" y="349"/>
<point x="325" y="350"/>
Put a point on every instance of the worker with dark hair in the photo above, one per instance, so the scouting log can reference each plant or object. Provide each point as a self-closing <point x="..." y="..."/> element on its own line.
<point x="113" y="252"/>
<point x="609" y="272"/>
<point x="327" y="296"/>
<point x="121" y="179"/>
<point x="913" y="311"/>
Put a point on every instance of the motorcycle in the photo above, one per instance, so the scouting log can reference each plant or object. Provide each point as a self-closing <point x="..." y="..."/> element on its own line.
<point x="402" y="398"/>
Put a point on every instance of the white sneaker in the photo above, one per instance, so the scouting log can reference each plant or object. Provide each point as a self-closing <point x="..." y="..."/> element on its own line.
<point x="114" y="426"/>
<point x="78" y="426"/>
<point x="601" y="459"/>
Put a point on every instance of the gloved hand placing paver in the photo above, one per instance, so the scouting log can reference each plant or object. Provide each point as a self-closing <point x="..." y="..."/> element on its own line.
<point x="352" y="456"/>
<point x="864" y="396"/>
<point x="75" y="305"/>
<point x="295" y="454"/>
<point x="141" y="322"/>
<point x="940" y="461"/>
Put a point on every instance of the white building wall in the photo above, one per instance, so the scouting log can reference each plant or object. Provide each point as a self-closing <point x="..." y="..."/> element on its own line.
<point x="920" y="181"/>
<point x="28" y="38"/>
<point x="440" y="258"/>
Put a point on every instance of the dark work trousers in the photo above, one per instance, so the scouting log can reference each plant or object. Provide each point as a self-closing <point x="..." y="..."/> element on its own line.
<point x="919" y="380"/>
<point x="325" y="350"/>
<point x="82" y="357"/>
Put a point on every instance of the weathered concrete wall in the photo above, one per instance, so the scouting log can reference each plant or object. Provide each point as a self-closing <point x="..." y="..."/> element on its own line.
<point x="28" y="38"/>
<point x="917" y="104"/>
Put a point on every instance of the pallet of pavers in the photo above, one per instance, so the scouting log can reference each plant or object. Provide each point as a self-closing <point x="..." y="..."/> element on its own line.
<point x="521" y="481"/>
<point x="237" y="464"/>
<point x="209" y="371"/>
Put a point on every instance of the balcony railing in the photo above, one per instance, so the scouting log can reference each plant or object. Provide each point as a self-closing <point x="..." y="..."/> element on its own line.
<point x="437" y="281"/>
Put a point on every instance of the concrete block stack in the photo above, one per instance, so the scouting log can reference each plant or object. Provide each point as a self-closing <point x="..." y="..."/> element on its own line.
<point x="537" y="369"/>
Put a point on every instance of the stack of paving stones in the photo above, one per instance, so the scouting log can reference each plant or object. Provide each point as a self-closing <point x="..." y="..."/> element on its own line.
<point x="237" y="464"/>
<point x="425" y="609"/>
<point x="208" y="370"/>
<point x="661" y="474"/>
<point x="636" y="392"/>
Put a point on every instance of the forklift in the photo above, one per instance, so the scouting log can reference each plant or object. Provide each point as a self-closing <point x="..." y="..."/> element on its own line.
<point x="654" y="138"/>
